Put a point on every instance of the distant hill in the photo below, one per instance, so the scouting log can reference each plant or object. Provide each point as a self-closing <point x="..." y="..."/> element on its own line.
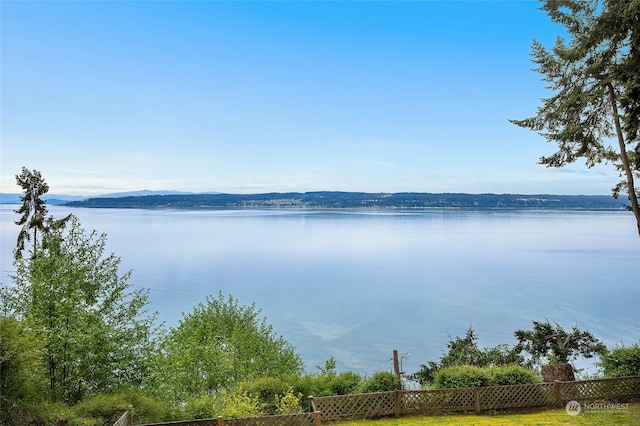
<point x="57" y="199"/>
<point x="51" y="199"/>
<point x="142" y="193"/>
<point x="328" y="199"/>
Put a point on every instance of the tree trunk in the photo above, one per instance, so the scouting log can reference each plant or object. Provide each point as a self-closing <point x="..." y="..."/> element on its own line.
<point x="631" y="190"/>
<point x="557" y="372"/>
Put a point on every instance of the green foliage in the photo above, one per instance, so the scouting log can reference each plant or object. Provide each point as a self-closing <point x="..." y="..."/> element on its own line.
<point x="464" y="376"/>
<point x="92" y="324"/>
<point x="380" y="381"/>
<point x="218" y="345"/>
<point x="200" y="407"/>
<point x="21" y="369"/>
<point x="344" y="383"/>
<point x="460" y="376"/>
<point x="465" y="351"/>
<point x="109" y="407"/>
<point x="552" y="342"/>
<point x="33" y="209"/>
<point x="47" y="413"/>
<point x="238" y="403"/>
<point x="267" y="390"/>
<point x="511" y="375"/>
<point x="596" y="84"/>
<point x="289" y="403"/>
<point x="621" y="361"/>
<point x="329" y="367"/>
<point x="320" y="385"/>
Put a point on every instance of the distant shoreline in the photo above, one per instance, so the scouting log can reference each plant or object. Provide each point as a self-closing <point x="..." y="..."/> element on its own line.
<point x="352" y="200"/>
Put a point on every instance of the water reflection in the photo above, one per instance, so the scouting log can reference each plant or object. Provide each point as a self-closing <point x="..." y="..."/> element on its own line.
<point x="357" y="284"/>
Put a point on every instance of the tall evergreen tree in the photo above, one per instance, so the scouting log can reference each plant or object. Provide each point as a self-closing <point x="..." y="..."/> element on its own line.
<point x="33" y="209"/>
<point x="596" y="82"/>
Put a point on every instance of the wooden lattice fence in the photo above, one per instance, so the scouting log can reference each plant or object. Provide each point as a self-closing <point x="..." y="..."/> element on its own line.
<point x="515" y="396"/>
<point x="300" y="419"/>
<point x="369" y="405"/>
<point x="406" y="402"/>
<point x="413" y="402"/>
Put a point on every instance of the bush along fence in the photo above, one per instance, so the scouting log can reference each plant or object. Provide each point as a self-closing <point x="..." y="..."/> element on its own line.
<point x="414" y="402"/>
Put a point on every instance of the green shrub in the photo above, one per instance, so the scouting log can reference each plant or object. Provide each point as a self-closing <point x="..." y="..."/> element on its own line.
<point x="460" y="376"/>
<point x="108" y="408"/>
<point x="381" y="381"/>
<point x="238" y="403"/>
<point x="197" y="407"/>
<point x="266" y="390"/>
<point x="42" y="413"/>
<point x="622" y="361"/>
<point x="344" y="383"/>
<point x="511" y="375"/>
<point x="466" y="376"/>
<point x="22" y="373"/>
<point x="288" y="403"/>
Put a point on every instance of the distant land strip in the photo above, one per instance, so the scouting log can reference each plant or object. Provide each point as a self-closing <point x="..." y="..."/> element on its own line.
<point x="351" y="200"/>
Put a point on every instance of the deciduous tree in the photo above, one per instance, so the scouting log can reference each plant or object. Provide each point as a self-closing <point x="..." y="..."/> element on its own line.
<point x="91" y="321"/>
<point x="594" y="112"/>
<point x="220" y="344"/>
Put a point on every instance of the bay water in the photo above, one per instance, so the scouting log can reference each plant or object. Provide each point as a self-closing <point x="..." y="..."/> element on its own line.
<point x="357" y="284"/>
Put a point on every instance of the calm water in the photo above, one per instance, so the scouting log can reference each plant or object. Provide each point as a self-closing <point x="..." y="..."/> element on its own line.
<point x="357" y="284"/>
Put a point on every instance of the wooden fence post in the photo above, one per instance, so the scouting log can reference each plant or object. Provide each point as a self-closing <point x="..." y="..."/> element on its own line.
<point x="312" y="404"/>
<point x="396" y="369"/>
<point x="556" y="392"/>
<point x="318" y="418"/>
<point x="220" y="422"/>
<point x="476" y="399"/>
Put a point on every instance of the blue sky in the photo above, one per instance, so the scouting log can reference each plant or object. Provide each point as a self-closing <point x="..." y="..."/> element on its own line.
<point x="251" y="97"/>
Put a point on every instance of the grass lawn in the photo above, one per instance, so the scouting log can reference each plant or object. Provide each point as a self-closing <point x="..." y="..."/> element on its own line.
<point x="630" y="416"/>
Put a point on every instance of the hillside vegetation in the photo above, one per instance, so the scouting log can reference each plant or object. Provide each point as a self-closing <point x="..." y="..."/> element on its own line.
<point x="408" y="200"/>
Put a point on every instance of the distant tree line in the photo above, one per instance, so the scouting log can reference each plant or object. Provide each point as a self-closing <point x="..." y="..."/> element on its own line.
<point x="350" y="200"/>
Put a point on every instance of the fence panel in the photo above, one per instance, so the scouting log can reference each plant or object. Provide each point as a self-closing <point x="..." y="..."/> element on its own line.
<point x="301" y="419"/>
<point x="436" y="400"/>
<point x="475" y="399"/>
<point x="515" y="396"/>
<point x="367" y="405"/>
<point x="612" y="390"/>
<point x="412" y="402"/>
<point x="200" y="422"/>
